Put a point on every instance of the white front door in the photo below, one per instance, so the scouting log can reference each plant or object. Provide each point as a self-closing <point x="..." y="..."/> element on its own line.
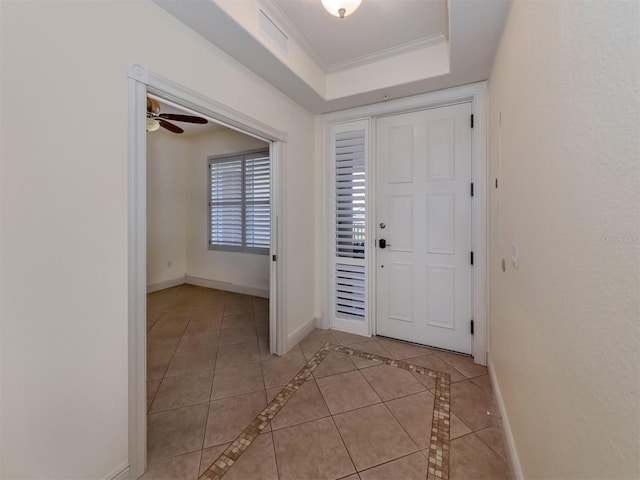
<point x="423" y="213"/>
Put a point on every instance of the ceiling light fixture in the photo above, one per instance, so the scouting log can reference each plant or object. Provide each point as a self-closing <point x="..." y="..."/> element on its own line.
<point x="152" y="124"/>
<point x="341" y="8"/>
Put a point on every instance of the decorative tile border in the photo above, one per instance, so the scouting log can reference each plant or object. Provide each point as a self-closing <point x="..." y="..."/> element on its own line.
<point x="438" y="457"/>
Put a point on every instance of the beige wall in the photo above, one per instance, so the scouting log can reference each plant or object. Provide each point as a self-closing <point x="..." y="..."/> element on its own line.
<point x="239" y="269"/>
<point x="177" y="213"/>
<point x="167" y="157"/>
<point x="63" y="281"/>
<point x="564" y="338"/>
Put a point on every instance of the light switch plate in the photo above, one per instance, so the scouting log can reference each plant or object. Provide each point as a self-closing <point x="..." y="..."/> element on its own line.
<point x="515" y="255"/>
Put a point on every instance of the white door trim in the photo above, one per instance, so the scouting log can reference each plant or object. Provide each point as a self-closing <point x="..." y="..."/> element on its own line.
<point x="476" y="94"/>
<point x="142" y="81"/>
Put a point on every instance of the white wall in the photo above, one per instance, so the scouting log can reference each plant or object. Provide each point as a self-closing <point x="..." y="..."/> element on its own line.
<point x="63" y="242"/>
<point x="564" y="326"/>
<point x="239" y="269"/>
<point x="177" y="213"/>
<point x="167" y="159"/>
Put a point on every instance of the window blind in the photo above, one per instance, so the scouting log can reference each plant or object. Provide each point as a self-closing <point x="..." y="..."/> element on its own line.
<point x="350" y="194"/>
<point x="257" y="196"/>
<point x="350" y="299"/>
<point x="239" y="203"/>
<point x="350" y="183"/>
<point x="226" y="202"/>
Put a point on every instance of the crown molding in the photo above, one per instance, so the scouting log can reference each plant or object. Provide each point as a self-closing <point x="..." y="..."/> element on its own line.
<point x="284" y="22"/>
<point x="419" y="44"/>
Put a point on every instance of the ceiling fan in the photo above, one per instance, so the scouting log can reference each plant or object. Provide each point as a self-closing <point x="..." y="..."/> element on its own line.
<point x="155" y="119"/>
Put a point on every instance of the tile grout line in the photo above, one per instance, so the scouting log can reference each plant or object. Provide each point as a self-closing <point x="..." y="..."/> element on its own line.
<point x="206" y="420"/>
<point x="173" y="354"/>
<point x="438" y="458"/>
<point x="161" y="380"/>
<point x="231" y="454"/>
<point x="384" y="402"/>
<point x="419" y="452"/>
<point x="491" y="447"/>
<point x="275" y="454"/>
<point x="344" y="444"/>
<point x="333" y="420"/>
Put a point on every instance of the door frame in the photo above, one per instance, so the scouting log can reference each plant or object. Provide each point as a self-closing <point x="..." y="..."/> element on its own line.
<point x="140" y="82"/>
<point x="476" y="93"/>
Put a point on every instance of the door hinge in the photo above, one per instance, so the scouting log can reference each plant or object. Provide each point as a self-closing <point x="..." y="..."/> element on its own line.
<point x="471" y="258"/>
<point x="472" y="189"/>
<point x="274" y="257"/>
<point x="471" y="327"/>
<point x="472" y="120"/>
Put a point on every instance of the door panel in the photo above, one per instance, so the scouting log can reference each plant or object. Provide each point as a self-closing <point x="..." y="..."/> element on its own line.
<point x="441" y="149"/>
<point x="424" y="276"/>
<point x="400" y="291"/>
<point x="441" y="296"/>
<point x="401" y="142"/>
<point x="441" y="223"/>
<point x="400" y="223"/>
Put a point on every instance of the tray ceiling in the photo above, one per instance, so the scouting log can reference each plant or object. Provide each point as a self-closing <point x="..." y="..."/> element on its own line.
<point x="386" y="49"/>
<point x="377" y="26"/>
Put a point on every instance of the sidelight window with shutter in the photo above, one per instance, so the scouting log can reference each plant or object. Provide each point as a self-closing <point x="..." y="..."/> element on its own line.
<point x="239" y="203"/>
<point x="349" y="144"/>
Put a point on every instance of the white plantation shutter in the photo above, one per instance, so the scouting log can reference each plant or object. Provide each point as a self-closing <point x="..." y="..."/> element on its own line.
<point x="226" y="202"/>
<point x="257" y="195"/>
<point x="349" y="156"/>
<point x="239" y="203"/>
<point x="350" y="295"/>
<point x="350" y="198"/>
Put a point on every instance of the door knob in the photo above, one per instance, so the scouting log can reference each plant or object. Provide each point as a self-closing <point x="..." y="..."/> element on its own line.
<point x="382" y="243"/>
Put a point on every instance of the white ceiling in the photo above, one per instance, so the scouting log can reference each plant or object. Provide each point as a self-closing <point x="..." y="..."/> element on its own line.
<point x="338" y="42"/>
<point x="387" y="49"/>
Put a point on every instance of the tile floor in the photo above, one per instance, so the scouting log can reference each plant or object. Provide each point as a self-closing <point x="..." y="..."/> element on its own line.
<point x="210" y="373"/>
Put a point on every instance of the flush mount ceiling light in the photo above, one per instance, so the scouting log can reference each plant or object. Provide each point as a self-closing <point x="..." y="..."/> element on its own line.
<point x="341" y="8"/>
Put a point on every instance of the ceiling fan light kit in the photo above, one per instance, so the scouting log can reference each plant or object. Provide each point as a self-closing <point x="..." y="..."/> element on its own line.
<point x="341" y="8"/>
<point x="152" y="125"/>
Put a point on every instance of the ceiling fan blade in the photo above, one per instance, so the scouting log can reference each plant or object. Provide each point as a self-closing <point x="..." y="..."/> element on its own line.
<point x="183" y="118"/>
<point x="170" y="126"/>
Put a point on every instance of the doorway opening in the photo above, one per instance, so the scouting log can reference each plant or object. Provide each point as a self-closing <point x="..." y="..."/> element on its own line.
<point x="208" y="204"/>
<point x="156" y="261"/>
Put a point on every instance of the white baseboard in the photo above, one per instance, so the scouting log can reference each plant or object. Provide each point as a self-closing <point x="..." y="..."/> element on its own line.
<point x="226" y="286"/>
<point x="120" y="473"/>
<point x="154" y="287"/>
<point x="512" y="452"/>
<point x="205" y="282"/>
<point x="299" y="333"/>
<point x="323" y="323"/>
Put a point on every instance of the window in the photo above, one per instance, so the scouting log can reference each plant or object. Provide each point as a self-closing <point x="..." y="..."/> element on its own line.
<point x="239" y="210"/>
